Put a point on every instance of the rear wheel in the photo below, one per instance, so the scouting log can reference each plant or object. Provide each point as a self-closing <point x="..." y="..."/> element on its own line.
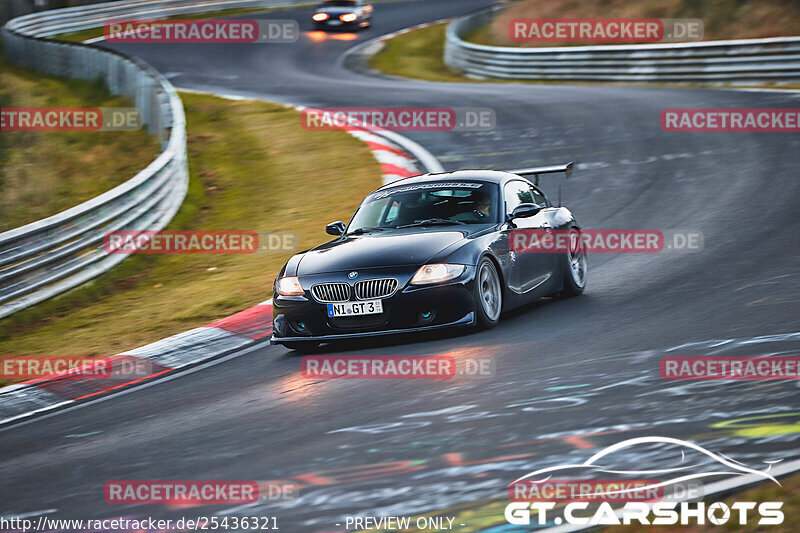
<point x="488" y="295"/>
<point x="576" y="266"/>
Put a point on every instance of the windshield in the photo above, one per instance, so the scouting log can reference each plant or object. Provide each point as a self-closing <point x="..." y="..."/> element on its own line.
<point x="339" y="3"/>
<point x="427" y="204"/>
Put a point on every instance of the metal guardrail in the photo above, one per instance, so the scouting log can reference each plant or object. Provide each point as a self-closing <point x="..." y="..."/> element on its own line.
<point x="747" y="60"/>
<point x="52" y="255"/>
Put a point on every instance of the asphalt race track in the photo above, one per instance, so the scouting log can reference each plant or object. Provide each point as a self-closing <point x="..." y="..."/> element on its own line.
<point x="571" y="376"/>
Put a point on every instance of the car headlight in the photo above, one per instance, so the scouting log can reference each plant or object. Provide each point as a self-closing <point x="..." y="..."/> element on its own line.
<point x="289" y="286"/>
<point x="319" y="17"/>
<point x="348" y="17"/>
<point x="436" y="273"/>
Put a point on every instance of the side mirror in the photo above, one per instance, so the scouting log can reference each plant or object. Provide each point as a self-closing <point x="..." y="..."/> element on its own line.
<point x="335" y="228"/>
<point x="525" y="210"/>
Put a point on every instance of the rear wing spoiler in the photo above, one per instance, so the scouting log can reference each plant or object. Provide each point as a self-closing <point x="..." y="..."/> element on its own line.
<point x="536" y="171"/>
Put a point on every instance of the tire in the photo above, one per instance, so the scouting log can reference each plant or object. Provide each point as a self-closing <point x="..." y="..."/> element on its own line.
<point x="302" y="346"/>
<point x="488" y="293"/>
<point x="575" y="267"/>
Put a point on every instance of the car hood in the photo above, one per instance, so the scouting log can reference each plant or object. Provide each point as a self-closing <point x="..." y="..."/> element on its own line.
<point x="377" y="250"/>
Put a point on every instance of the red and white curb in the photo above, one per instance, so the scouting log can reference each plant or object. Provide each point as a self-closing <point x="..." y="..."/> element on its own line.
<point x="178" y="352"/>
<point x="396" y="164"/>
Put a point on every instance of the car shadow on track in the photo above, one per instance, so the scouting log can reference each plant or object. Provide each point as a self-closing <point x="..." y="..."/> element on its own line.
<point x="513" y="319"/>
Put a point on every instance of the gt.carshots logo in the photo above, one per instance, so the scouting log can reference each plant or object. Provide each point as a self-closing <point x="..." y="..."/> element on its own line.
<point x="539" y="497"/>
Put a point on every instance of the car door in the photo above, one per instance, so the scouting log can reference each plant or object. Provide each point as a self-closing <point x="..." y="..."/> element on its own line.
<point x="528" y="270"/>
<point x="547" y="220"/>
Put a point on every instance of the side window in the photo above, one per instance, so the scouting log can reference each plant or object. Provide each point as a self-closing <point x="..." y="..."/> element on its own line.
<point x="515" y="193"/>
<point x="370" y="213"/>
<point x="538" y="197"/>
<point x="391" y="215"/>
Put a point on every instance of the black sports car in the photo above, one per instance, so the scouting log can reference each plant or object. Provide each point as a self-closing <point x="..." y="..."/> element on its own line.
<point x="426" y="252"/>
<point x="342" y="14"/>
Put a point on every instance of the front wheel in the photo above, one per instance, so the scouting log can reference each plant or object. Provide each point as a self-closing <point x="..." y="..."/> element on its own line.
<point x="488" y="295"/>
<point x="576" y="266"/>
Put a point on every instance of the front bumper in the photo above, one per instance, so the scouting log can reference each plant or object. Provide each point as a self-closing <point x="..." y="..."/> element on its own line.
<point x="410" y="309"/>
<point x="468" y="320"/>
<point x="328" y="25"/>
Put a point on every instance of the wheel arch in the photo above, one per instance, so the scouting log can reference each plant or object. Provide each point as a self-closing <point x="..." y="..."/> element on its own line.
<point x="500" y="273"/>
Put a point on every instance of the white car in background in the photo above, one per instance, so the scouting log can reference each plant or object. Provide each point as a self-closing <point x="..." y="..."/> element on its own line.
<point x="343" y="14"/>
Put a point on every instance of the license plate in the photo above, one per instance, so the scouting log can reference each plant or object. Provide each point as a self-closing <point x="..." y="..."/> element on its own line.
<point x="367" y="307"/>
<point x="334" y="22"/>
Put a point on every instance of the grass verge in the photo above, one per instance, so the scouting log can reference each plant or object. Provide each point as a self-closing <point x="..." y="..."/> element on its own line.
<point x="252" y="167"/>
<point x="43" y="173"/>
<point x="417" y="54"/>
